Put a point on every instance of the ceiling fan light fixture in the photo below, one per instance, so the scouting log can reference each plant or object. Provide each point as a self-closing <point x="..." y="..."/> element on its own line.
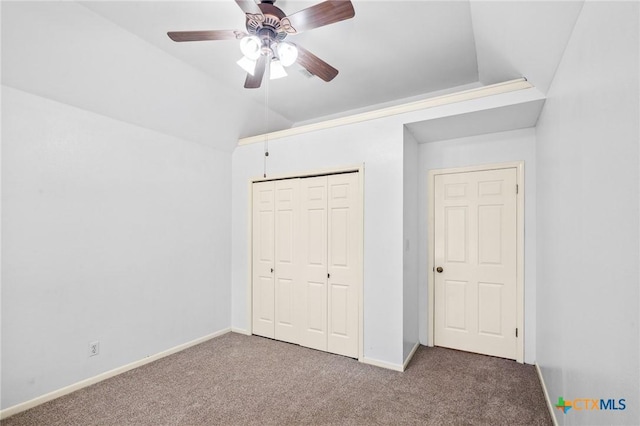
<point x="263" y="44"/>
<point x="251" y="47"/>
<point x="287" y="53"/>
<point x="276" y="70"/>
<point x="247" y="64"/>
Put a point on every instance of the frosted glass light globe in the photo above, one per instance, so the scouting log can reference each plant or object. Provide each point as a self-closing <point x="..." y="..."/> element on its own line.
<point x="247" y="64"/>
<point x="287" y="53"/>
<point x="251" y="47"/>
<point x="276" y="70"/>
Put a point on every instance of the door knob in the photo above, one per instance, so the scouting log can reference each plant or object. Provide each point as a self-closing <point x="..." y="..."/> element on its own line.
<point x="271" y="269"/>
<point x="439" y="269"/>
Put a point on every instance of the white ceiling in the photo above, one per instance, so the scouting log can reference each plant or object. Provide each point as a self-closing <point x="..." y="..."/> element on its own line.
<point x="114" y="58"/>
<point x="390" y="50"/>
<point x="522" y="38"/>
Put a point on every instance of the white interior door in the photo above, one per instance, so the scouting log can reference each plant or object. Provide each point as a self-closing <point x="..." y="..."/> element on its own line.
<point x="287" y="210"/>
<point x="263" y="296"/>
<point x="476" y="264"/>
<point x="343" y="264"/>
<point x="313" y="249"/>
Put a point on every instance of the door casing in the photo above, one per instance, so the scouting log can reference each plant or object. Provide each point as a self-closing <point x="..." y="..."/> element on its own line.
<point x="519" y="166"/>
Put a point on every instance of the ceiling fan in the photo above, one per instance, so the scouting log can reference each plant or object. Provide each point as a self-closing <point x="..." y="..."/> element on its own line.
<point x="267" y="28"/>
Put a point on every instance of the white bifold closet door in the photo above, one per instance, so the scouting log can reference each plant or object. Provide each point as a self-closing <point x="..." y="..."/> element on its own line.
<point x="287" y="209"/>
<point x="263" y="249"/>
<point x="306" y="261"/>
<point x="330" y="264"/>
<point x="275" y="223"/>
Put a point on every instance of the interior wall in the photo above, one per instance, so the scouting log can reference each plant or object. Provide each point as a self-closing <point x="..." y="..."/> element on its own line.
<point x="377" y="145"/>
<point x="516" y="145"/>
<point x="410" y="250"/>
<point x="111" y="233"/>
<point x="588" y="234"/>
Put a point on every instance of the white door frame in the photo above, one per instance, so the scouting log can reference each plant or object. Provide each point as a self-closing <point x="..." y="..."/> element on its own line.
<point x="360" y="170"/>
<point x="519" y="166"/>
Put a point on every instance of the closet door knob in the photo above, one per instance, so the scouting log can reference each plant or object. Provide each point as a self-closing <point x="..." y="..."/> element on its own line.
<point x="439" y="269"/>
<point x="271" y="270"/>
<point x="328" y="275"/>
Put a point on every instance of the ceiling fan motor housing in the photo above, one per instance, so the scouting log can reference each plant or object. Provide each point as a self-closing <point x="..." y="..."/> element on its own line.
<point x="267" y="27"/>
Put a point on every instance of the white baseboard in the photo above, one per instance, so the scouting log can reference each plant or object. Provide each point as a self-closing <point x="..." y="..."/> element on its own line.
<point x="546" y="396"/>
<point x="240" y="331"/>
<point x="383" y="364"/>
<point x="408" y="360"/>
<point x="7" y="412"/>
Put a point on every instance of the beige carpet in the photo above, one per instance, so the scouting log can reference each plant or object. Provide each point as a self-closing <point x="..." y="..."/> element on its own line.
<point x="237" y="379"/>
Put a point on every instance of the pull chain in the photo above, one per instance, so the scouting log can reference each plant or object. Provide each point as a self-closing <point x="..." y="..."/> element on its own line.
<point x="266" y="114"/>
<point x="266" y="154"/>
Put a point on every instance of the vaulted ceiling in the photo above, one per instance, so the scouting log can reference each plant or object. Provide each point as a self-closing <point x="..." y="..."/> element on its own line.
<point x="114" y="58"/>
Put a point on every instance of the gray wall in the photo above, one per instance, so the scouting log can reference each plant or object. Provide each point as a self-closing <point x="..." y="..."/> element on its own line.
<point x="114" y="225"/>
<point x="410" y="250"/>
<point x="588" y="242"/>
<point x="111" y="233"/>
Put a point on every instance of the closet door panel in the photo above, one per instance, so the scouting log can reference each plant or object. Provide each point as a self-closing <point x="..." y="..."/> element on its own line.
<point x="287" y="211"/>
<point x="263" y="259"/>
<point x="343" y="264"/>
<point x="312" y="300"/>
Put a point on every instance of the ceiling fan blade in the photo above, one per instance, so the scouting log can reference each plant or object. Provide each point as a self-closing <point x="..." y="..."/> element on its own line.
<point x="254" y="81"/>
<point x="251" y="8"/>
<point x="321" y="14"/>
<point x="205" y="35"/>
<point x="315" y="65"/>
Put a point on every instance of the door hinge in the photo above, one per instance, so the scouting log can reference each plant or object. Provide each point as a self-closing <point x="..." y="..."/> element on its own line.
<point x="517" y="189"/>
<point x="516" y="332"/>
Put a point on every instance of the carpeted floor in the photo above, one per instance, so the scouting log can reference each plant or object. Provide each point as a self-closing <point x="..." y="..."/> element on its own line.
<point x="237" y="380"/>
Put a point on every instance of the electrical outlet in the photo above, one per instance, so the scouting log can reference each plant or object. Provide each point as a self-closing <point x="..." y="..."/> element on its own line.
<point x="94" y="348"/>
